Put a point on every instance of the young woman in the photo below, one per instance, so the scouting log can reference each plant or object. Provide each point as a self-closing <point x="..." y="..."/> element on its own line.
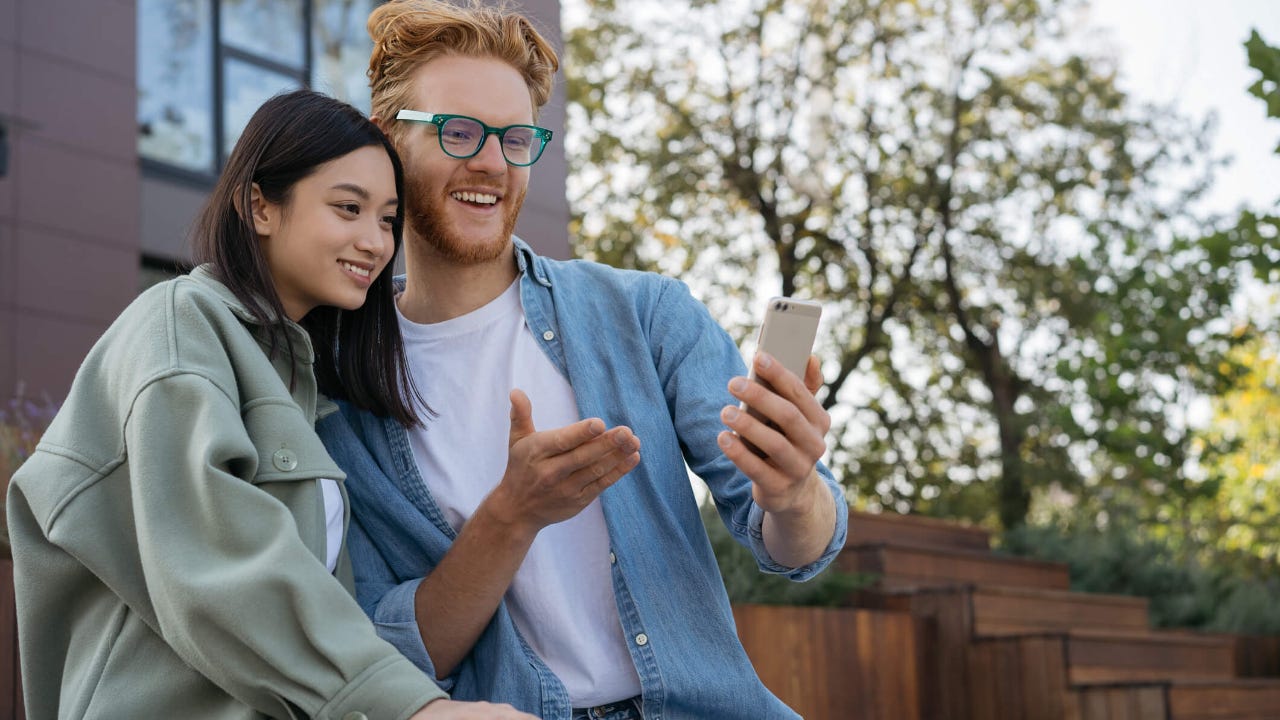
<point x="177" y="533"/>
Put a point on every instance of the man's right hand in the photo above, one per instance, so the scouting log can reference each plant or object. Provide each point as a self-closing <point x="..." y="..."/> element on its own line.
<point x="552" y="475"/>
<point x="454" y="710"/>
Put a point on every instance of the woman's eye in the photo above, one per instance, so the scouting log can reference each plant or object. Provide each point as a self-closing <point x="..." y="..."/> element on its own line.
<point x="389" y="220"/>
<point x="352" y="208"/>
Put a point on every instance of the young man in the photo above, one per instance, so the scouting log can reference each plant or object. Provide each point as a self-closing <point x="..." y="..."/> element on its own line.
<point x="501" y="565"/>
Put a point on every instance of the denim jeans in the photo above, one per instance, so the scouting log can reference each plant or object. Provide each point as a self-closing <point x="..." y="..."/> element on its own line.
<point x="621" y="710"/>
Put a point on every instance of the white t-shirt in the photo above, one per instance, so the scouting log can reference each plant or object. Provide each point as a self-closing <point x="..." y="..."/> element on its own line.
<point x="561" y="598"/>
<point x="333" y="511"/>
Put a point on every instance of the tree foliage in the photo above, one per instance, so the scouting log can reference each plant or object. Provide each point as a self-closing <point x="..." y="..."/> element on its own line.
<point x="1020" y="300"/>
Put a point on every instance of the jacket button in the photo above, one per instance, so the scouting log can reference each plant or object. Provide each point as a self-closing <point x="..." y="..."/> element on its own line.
<point x="642" y="639"/>
<point x="548" y="336"/>
<point x="285" y="460"/>
<point x="355" y="715"/>
<point x="613" y="559"/>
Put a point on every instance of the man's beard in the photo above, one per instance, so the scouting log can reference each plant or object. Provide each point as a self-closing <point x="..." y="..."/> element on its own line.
<point x="426" y="218"/>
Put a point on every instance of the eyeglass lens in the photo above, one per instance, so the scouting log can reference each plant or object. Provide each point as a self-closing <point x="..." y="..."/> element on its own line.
<point x="462" y="137"/>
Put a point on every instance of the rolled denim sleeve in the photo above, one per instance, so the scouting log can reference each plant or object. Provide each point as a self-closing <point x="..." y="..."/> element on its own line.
<point x="755" y="531"/>
<point x="388" y="603"/>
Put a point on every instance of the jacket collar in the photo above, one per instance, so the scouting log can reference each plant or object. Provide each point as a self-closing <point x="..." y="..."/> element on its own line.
<point x="203" y="276"/>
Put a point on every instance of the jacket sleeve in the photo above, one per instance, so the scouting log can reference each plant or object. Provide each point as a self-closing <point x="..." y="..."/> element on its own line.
<point x="234" y="590"/>
<point x="695" y="359"/>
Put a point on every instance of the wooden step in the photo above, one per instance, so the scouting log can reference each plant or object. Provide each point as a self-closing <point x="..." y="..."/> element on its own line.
<point x="895" y="528"/>
<point x="906" y="567"/>
<point x="1114" y="657"/>
<point x="1017" y="611"/>
<point x="1118" y="702"/>
<point x="1252" y="699"/>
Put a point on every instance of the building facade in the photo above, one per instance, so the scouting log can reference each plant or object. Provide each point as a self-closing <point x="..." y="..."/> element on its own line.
<point x="115" y="116"/>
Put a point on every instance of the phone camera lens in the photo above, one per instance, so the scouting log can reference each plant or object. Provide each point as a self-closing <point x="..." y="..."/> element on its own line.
<point x="785" y="307"/>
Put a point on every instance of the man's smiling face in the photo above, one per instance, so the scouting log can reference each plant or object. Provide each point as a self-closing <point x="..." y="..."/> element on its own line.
<point x="466" y="209"/>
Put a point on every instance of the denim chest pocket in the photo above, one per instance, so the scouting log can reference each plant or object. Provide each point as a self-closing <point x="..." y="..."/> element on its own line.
<point x="288" y="447"/>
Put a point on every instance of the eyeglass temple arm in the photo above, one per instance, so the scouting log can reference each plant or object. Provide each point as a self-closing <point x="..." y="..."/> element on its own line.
<point x="415" y="115"/>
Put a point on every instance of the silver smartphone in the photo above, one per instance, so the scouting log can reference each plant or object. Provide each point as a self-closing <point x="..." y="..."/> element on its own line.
<point x="787" y="333"/>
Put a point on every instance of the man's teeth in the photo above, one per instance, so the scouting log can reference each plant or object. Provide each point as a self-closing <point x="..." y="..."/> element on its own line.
<point x="362" y="272"/>
<point x="473" y="197"/>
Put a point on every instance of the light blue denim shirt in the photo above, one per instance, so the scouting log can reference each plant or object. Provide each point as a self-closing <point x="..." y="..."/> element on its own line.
<point x="639" y="351"/>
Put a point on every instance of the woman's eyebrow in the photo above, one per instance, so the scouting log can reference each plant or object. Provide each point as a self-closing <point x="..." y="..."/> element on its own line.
<point x="351" y="187"/>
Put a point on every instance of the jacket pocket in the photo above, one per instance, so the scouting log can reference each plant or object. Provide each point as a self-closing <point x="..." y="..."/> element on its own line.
<point x="287" y="444"/>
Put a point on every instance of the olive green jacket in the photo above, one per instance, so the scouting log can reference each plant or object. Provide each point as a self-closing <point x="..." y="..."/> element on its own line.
<point x="168" y="534"/>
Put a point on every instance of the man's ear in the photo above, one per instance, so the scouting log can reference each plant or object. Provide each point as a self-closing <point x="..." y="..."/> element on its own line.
<point x="264" y="214"/>
<point x="383" y="125"/>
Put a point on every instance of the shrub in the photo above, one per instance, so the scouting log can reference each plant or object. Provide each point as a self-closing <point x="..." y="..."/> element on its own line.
<point x="22" y="422"/>
<point x="1183" y="590"/>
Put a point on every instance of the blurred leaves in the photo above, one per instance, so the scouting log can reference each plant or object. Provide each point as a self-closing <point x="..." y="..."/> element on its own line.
<point x="1021" y="300"/>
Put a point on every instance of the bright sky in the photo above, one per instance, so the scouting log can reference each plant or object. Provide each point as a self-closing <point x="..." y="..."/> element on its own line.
<point x="1191" y="52"/>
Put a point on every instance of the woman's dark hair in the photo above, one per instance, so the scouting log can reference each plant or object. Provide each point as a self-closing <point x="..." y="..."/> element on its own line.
<point x="359" y="353"/>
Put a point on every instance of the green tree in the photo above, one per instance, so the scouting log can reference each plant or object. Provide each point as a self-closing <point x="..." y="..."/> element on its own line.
<point x="997" y="232"/>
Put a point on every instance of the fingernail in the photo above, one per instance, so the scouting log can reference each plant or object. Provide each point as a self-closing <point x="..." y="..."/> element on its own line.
<point x="766" y="359"/>
<point x="738" y="384"/>
<point x="596" y="427"/>
<point x="726" y="440"/>
<point x="729" y="414"/>
<point x="622" y="439"/>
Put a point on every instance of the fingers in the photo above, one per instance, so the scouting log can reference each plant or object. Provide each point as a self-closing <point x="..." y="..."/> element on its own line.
<point x="445" y="709"/>
<point x="791" y="428"/>
<point x="792" y="448"/>
<point x="788" y="400"/>
<point x="813" y="379"/>
<point x="604" y="462"/>
<point x="521" y="417"/>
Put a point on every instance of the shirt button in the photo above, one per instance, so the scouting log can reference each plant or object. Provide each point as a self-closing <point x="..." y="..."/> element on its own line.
<point x="548" y="336"/>
<point x="642" y="639"/>
<point x="355" y="716"/>
<point x="613" y="559"/>
<point x="284" y="460"/>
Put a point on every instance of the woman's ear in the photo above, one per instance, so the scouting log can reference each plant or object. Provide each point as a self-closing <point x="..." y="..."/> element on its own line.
<point x="264" y="213"/>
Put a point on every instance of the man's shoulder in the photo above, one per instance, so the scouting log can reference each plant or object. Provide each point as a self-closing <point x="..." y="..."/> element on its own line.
<point x="592" y="276"/>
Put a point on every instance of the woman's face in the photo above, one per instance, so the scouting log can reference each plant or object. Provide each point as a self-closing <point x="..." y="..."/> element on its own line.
<point x="331" y="237"/>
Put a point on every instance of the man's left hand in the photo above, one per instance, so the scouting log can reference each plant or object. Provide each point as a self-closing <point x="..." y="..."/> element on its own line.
<point x="785" y="481"/>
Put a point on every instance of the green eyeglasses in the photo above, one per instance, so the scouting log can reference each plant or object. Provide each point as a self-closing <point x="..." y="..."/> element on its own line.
<point x="462" y="137"/>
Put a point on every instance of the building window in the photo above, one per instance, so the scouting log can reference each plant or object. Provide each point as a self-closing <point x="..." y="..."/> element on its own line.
<point x="204" y="67"/>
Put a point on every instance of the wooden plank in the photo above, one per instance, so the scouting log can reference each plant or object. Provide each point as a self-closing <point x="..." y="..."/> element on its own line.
<point x="1116" y="657"/>
<point x="1018" y="611"/>
<point x="1258" y="656"/>
<point x="10" y="680"/>
<point x="1018" y="677"/>
<point x="895" y="528"/>
<point x="835" y="663"/>
<point x="1225" y="700"/>
<point x="1122" y="702"/>
<point x="904" y="568"/>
